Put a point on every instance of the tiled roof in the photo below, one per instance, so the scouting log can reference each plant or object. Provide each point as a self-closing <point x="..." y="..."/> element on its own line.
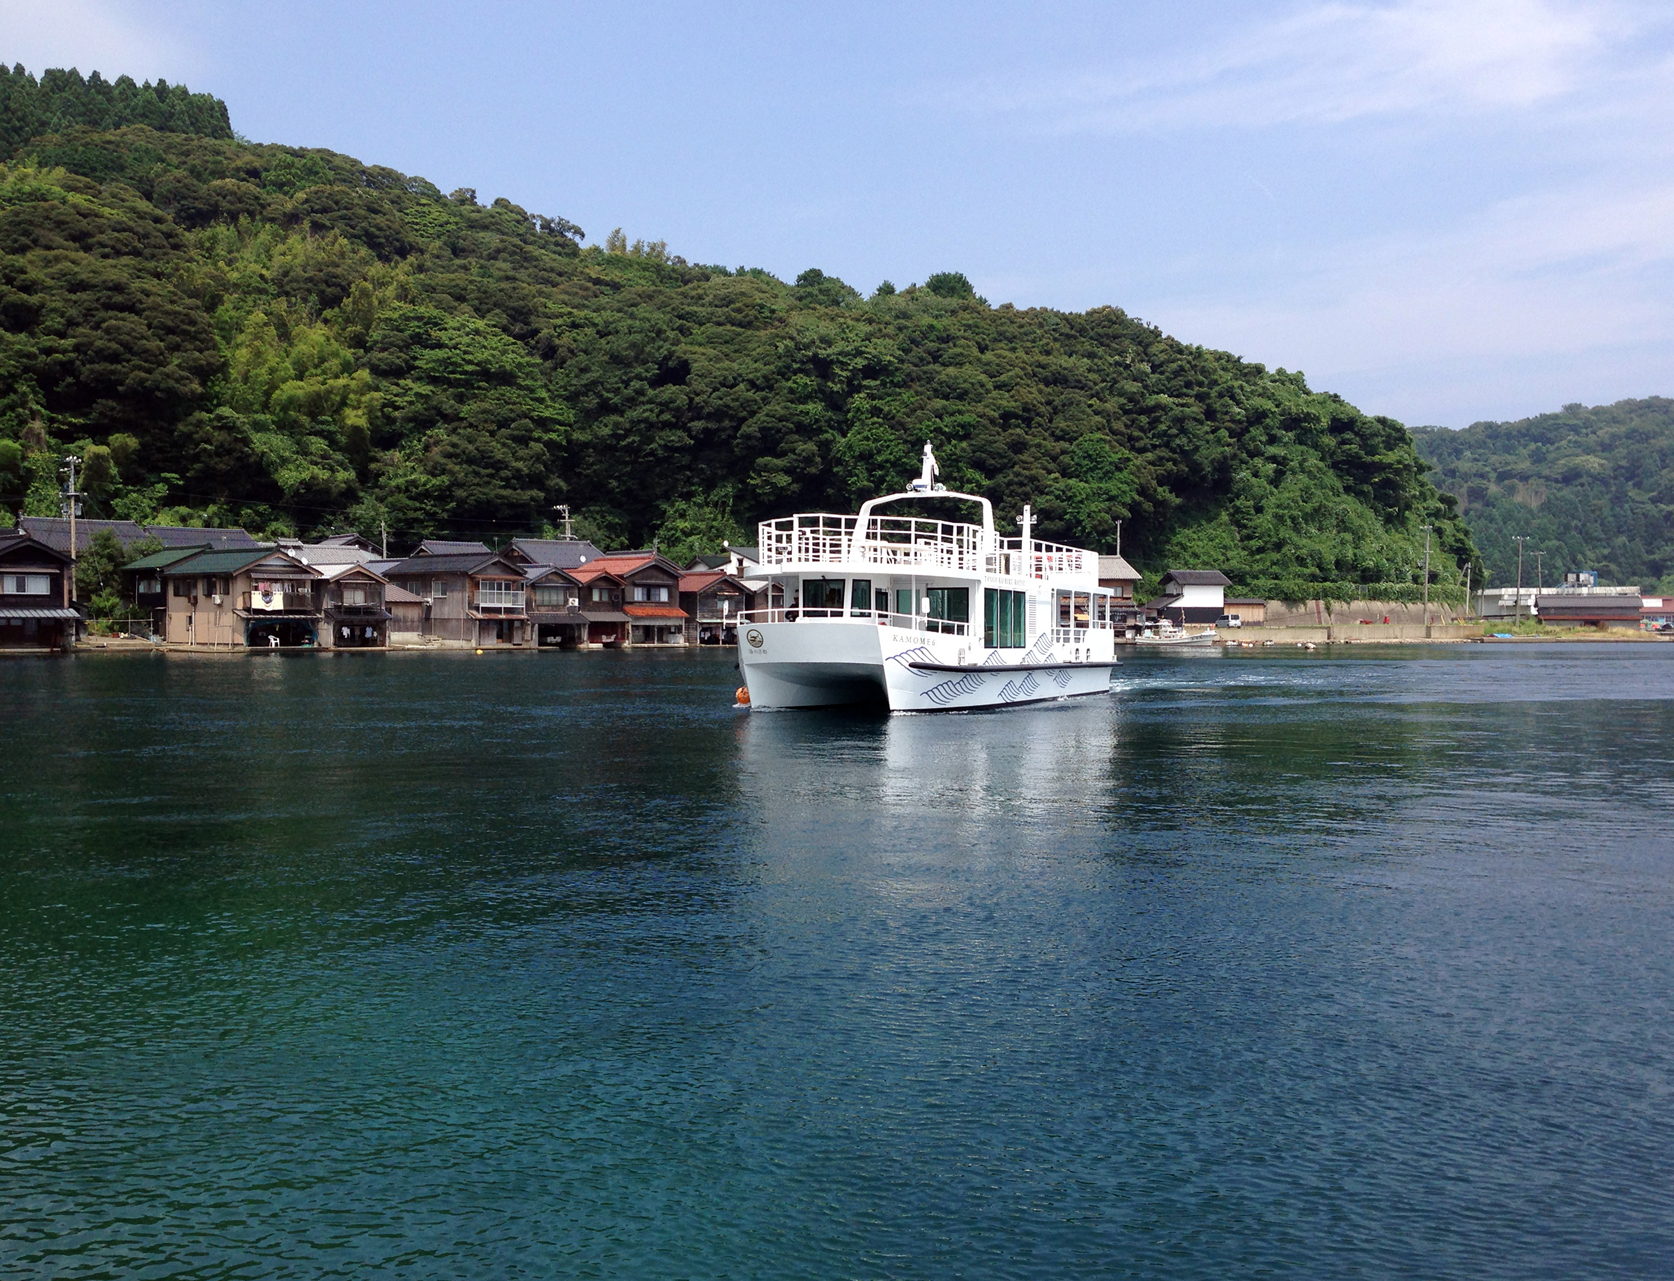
<point x="452" y="563"/>
<point x="331" y="573"/>
<point x="12" y="541"/>
<point x="1116" y="567"/>
<point x="590" y="571"/>
<point x="566" y="553"/>
<point x="540" y="573"/>
<point x="1198" y="578"/>
<point x="164" y="558"/>
<point x="55" y="532"/>
<point x="442" y="547"/>
<point x="703" y="581"/>
<point x="231" y="562"/>
<point x="330" y="554"/>
<point x="394" y="595"/>
<point x="655" y="611"/>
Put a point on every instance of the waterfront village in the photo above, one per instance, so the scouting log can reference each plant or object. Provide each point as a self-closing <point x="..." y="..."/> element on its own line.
<point x="223" y="590"/>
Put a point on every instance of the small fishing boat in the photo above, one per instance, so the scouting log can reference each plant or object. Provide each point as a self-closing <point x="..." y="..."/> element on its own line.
<point x="1168" y="634"/>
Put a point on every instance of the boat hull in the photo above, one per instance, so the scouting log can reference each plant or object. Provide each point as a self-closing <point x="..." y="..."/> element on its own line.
<point x="838" y="663"/>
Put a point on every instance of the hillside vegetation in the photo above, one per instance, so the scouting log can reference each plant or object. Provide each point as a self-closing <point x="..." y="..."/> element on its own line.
<point x="1589" y="488"/>
<point x="291" y="340"/>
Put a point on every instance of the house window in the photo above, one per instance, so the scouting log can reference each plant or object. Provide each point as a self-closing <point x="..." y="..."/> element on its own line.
<point x="499" y="595"/>
<point x="440" y="589"/>
<point x="28" y="585"/>
<point x="354" y="595"/>
<point x="182" y="586"/>
<point x="650" y="593"/>
<point x="147" y="586"/>
<point x="601" y="595"/>
<point x="549" y="596"/>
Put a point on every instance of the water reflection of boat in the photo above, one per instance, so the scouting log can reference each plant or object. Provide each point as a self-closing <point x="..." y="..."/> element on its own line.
<point x="962" y="771"/>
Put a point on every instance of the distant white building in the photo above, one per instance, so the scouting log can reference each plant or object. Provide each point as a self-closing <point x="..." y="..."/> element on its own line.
<point x="1192" y="595"/>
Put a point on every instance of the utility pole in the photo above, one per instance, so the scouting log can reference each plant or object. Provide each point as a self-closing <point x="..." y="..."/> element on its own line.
<point x="383" y="528"/>
<point x="1427" y="529"/>
<point x="563" y="510"/>
<point x="1118" y="538"/>
<point x="1540" y="579"/>
<point x="71" y="496"/>
<point x="1468" y="568"/>
<point x="1519" y="539"/>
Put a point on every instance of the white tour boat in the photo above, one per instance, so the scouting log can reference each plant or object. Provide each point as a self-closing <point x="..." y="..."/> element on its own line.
<point x="923" y="614"/>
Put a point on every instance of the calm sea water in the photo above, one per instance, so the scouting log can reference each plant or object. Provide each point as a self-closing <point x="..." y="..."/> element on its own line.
<point x="1269" y="964"/>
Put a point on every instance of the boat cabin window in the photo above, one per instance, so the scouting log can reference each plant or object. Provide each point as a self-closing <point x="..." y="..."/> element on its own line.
<point x="948" y="605"/>
<point x="860" y="595"/>
<point x="881" y="600"/>
<point x="1004" y="619"/>
<point x="822" y="593"/>
<point x="904" y="602"/>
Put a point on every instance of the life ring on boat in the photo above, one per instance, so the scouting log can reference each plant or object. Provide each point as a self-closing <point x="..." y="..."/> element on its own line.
<point x="743" y="695"/>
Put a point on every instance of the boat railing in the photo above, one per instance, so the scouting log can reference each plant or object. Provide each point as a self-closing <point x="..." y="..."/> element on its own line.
<point x="913" y="543"/>
<point x="883" y="618"/>
<point x="1045" y="560"/>
<point x="904" y="542"/>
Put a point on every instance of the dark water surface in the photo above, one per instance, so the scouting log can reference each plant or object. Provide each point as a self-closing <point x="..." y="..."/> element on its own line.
<point x="556" y="966"/>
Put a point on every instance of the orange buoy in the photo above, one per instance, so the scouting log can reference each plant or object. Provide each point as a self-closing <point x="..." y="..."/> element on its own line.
<point x="743" y="695"/>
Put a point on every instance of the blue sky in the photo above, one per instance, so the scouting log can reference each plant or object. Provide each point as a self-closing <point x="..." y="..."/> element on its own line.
<point x="1446" y="211"/>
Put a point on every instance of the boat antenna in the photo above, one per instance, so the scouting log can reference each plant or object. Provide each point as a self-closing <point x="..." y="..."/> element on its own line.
<point x="927" y="478"/>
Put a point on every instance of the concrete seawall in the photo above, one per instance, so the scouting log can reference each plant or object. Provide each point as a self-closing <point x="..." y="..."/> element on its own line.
<point x="1358" y="633"/>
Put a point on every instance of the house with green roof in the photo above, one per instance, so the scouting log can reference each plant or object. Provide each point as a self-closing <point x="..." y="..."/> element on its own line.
<point x="244" y="598"/>
<point x="145" y="582"/>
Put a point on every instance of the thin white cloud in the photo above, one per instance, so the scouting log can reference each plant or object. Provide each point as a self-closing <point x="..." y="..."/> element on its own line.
<point x="90" y="35"/>
<point x="1339" y="61"/>
<point x="1547" y="276"/>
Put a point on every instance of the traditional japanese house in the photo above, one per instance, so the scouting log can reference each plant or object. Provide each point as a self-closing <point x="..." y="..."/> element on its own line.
<point x="1191" y="595"/>
<point x="146" y="588"/>
<point x="712" y="601"/>
<point x="36" y="612"/>
<point x="601" y="595"/>
<point x="406" y="615"/>
<point x="248" y="598"/>
<point x="447" y="547"/>
<point x="355" y="614"/>
<point x="650" y="595"/>
<point x="555" y="608"/>
<point x="475" y="599"/>
<point x="1121" y="578"/>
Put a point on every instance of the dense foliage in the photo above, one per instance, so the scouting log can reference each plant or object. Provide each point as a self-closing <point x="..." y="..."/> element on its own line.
<point x="292" y="340"/>
<point x="1588" y="488"/>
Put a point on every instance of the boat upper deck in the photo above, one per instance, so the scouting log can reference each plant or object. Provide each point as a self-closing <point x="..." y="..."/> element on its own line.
<point x="916" y="544"/>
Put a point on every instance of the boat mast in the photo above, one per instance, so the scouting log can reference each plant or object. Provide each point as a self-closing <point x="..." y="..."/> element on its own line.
<point x="1027" y="520"/>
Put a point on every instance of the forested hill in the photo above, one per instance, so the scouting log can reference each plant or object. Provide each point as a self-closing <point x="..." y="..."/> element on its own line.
<point x="289" y="339"/>
<point x="1589" y="488"/>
